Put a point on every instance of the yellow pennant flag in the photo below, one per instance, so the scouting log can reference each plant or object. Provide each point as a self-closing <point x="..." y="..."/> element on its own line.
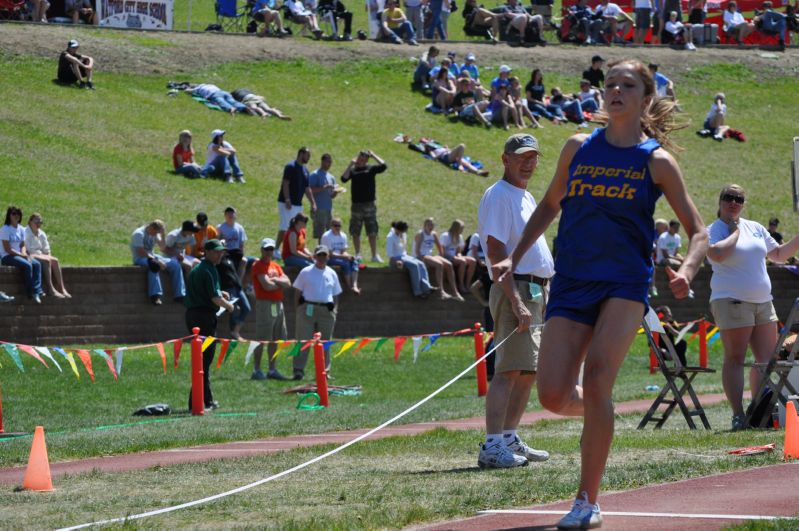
<point x="344" y="348"/>
<point x="71" y="360"/>
<point x="280" y="344"/>
<point x="207" y="342"/>
<point x="712" y="332"/>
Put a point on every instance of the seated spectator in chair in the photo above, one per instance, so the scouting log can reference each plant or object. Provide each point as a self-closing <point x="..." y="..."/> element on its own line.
<point x="38" y="10"/>
<point x="183" y="157"/>
<point x="336" y="242"/>
<point x="670" y="326"/>
<point x="675" y="32"/>
<point x="79" y="10"/>
<point x="453" y="156"/>
<point x="443" y="89"/>
<point x="792" y="16"/>
<point x="590" y="98"/>
<point x="14" y="252"/>
<point x="205" y="232"/>
<point x="714" y="122"/>
<point x="421" y="76"/>
<point x="452" y="244"/>
<point x="466" y="105"/>
<point x="221" y="98"/>
<point x="571" y="107"/>
<point x="301" y="15"/>
<point x="142" y="246"/>
<point x="518" y="19"/>
<point x="502" y="108"/>
<point x="261" y="13"/>
<point x="294" y="252"/>
<point x="39" y="249"/>
<point x="478" y="18"/>
<point x="425" y="242"/>
<point x="179" y="244"/>
<point x="515" y="94"/>
<point x="697" y="11"/>
<point x="399" y="258"/>
<point x="74" y="67"/>
<point x="663" y="85"/>
<point x="643" y="19"/>
<point x="396" y="26"/>
<point x="612" y="20"/>
<point x="735" y="25"/>
<point x="771" y="22"/>
<point x="221" y="160"/>
<point x="668" y="246"/>
<point x="257" y="105"/>
<point x="338" y="11"/>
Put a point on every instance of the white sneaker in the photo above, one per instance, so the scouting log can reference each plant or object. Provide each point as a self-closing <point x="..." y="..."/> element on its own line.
<point x="531" y="454"/>
<point x="690" y="46"/>
<point x="376" y="258"/>
<point x="499" y="456"/>
<point x="583" y="515"/>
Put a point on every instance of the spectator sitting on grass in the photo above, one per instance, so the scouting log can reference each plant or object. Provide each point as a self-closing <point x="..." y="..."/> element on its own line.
<point x="14" y="252"/>
<point x="396" y="26"/>
<point x="74" y="67"/>
<point x="471" y="67"/>
<point x="536" y="90"/>
<point x="179" y="244"/>
<point x="571" y="107"/>
<point x="714" y="122"/>
<point x="515" y="93"/>
<point x="421" y="76"/>
<point x="261" y="13"/>
<point x="221" y="160"/>
<point x="590" y="98"/>
<point x="39" y="249"/>
<point x="216" y="96"/>
<point x="81" y="10"/>
<point x="466" y="105"/>
<point x="594" y="73"/>
<point x="183" y="157"/>
<point x="294" y="252"/>
<point x="502" y="108"/>
<point x="142" y="247"/>
<point x="336" y="242"/>
<point x="257" y="105"/>
<point x="663" y="85"/>
<point x="443" y="90"/>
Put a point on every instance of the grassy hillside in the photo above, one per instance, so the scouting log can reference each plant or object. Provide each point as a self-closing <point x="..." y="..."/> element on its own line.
<point x="96" y="164"/>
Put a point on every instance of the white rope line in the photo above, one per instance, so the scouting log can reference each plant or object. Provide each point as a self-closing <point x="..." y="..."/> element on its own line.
<point x="298" y="467"/>
<point x="644" y="514"/>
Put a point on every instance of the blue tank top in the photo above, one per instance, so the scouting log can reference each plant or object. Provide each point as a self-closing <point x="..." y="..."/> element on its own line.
<point x="606" y="227"/>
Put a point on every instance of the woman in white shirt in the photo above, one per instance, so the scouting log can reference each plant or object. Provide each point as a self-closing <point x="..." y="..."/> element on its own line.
<point x="740" y="292"/>
<point x="716" y="116"/>
<point x="397" y="257"/>
<point x="735" y="25"/>
<point x="13" y="252"/>
<point x="39" y="248"/>
<point x="452" y="245"/>
<point x="425" y="241"/>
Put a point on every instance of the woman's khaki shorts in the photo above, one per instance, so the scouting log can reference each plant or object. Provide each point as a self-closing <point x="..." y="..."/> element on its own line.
<point x="520" y="352"/>
<point x="732" y="313"/>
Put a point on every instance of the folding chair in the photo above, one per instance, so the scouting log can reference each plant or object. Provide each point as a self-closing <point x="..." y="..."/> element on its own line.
<point x="230" y="16"/>
<point x="781" y="388"/>
<point x="679" y="380"/>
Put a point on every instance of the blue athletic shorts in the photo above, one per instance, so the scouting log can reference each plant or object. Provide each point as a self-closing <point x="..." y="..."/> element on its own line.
<point x="580" y="300"/>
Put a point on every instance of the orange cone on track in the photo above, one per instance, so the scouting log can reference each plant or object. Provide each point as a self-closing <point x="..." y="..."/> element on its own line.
<point x="37" y="476"/>
<point x="791" y="448"/>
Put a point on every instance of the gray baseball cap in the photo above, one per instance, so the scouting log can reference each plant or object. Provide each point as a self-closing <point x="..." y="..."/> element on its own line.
<point x="521" y="143"/>
<point x="321" y="249"/>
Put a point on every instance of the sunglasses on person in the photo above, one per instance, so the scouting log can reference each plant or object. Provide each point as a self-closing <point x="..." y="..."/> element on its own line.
<point x="729" y="198"/>
<point x="336" y="225"/>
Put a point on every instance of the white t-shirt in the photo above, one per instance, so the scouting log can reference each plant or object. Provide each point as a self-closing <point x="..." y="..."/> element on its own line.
<point x="732" y="19"/>
<point x="503" y="213"/>
<point x="449" y="247"/>
<point x="610" y="10"/>
<point x="177" y="243"/>
<point x="336" y="243"/>
<point x="318" y="285"/>
<point x="668" y="244"/>
<point x="474" y="241"/>
<point x="212" y="155"/>
<point x="589" y="94"/>
<point x="643" y="4"/>
<point x="233" y="235"/>
<point x="714" y="110"/>
<point x="675" y="28"/>
<point x="36" y="244"/>
<point x="14" y="236"/>
<point x="426" y="245"/>
<point x="742" y="276"/>
<point x="395" y="244"/>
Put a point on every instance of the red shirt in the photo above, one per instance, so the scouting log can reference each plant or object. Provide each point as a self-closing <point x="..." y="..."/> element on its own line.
<point x="186" y="154"/>
<point x="300" y="242"/>
<point x="273" y="270"/>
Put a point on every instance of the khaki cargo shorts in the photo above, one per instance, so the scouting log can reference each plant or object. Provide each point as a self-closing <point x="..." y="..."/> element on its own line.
<point x="520" y="352"/>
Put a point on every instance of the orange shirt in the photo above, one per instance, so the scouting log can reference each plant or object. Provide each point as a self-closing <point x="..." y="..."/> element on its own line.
<point x="186" y="154"/>
<point x="272" y="270"/>
<point x="300" y="242"/>
<point x="206" y="233"/>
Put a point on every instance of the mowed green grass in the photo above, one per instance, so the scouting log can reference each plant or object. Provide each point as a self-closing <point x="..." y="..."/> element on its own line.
<point x="97" y="164"/>
<point x="391" y="483"/>
<point x="84" y="419"/>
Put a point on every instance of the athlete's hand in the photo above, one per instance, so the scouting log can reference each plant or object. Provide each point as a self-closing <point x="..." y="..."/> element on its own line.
<point x="501" y="269"/>
<point x="678" y="284"/>
<point x="523" y="315"/>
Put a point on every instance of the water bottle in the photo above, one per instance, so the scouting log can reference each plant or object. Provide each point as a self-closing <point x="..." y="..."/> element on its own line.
<point x="652" y="388"/>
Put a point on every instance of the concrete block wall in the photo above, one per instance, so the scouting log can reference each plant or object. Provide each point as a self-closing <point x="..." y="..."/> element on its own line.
<point x="110" y="305"/>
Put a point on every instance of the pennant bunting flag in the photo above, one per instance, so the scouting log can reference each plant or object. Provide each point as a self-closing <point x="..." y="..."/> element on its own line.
<point x="160" y="347"/>
<point x="14" y="353"/>
<point x="365" y="341"/>
<point x="713" y="338"/>
<point x="250" y="350"/>
<point x="44" y="351"/>
<point x="87" y="362"/>
<point x="712" y="332"/>
<point x="432" y="339"/>
<point x="380" y="343"/>
<point x="207" y="342"/>
<point x="307" y="344"/>
<point x="231" y="348"/>
<point x="71" y="360"/>
<point x="176" y="348"/>
<point x="398" y="342"/>
<point x="103" y="354"/>
<point x="417" y="342"/>
<point x="345" y="347"/>
<point x="30" y="350"/>
<point x="222" y="352"/>
<point x="280" y="345"/>
<point x="295" y="350"/>
<point x="327" y="344"/>
<point x="118" y="357"/>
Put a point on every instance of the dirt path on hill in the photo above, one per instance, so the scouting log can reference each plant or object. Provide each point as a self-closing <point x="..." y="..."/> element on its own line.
<point x="165" y="52"/>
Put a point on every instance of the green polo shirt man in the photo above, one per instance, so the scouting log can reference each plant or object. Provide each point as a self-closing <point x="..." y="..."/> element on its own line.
<point x="203" y="299"/>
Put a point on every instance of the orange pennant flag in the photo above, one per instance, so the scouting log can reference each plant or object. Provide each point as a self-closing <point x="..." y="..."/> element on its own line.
<point x="398" y="342"/>
<point x="106" y="355"/>
<point x="87" y="362"/>
<point x="176" y="350"/>
<point x="307" y="344"/>
<point x="29" y="350"/>
<point x="222" y="352"/>
<point x="365" y="341"/>
<point x="160" y="347"/>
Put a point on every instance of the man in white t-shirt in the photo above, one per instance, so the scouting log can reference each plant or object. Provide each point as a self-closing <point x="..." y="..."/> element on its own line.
<point x="336" y="241"/>
<point x="316" y="291"/>
<point x="668" y="246"/>
<point x="516" y="303"/>
<point x="614" y="20"/>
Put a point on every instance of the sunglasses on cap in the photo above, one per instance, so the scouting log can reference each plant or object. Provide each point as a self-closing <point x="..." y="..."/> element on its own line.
<point x="729" y="198"/>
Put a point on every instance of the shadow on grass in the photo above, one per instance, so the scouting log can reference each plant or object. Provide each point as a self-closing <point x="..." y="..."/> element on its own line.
<point x="462" y="470"/>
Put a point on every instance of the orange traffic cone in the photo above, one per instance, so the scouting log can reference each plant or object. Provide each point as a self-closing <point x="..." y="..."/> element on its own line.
<point x="791" y="448"/>
<point x="37" y="476"/>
